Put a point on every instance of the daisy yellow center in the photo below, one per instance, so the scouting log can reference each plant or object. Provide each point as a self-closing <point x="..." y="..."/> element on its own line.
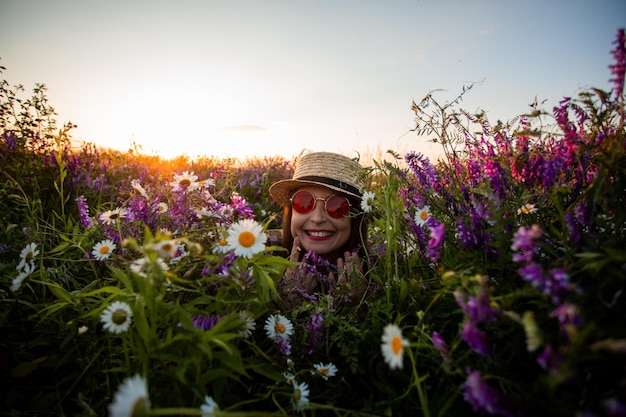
<point x="161" y="208"/>
<point x="223" y="242"/>
<point x="280" y="328"/>
<point x="396" y="345"/>
<point x="185" y="182"/>
<point x="424" y="215"/>
<point x="104" y="250"/>
<point x="167" y="247"/>
<point x="29" y="256"/>
<point x="114" y="216"/>
<point x="141" y="406"/>
<point x="119" y="317"/>
<point x="246" y="239"/>
<point x="324" y="371"/>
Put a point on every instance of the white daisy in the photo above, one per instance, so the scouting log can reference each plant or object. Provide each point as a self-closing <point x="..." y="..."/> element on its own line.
<point x="102" y="250"/>
<point x="144" y="266"/>
<point x="131" y="398"/>
<point x="278" y="327"/>
<point x="166" y="248"/>
<point x="300" y="397"/>
<point x="161" y="208"/>
<point x="325" y="371"/>
<point x="137" y="187"/>
<point x="186" y="181"/>
<point x="248" y="325"/>
<point x="527" y="209"/>
<point x="113" y="216"/>
<point x="422" y="215"/>
<point x="209" y="407"/>
<point x="117" y="317"/>
<point x="246" y="238"/>
<point x="205" y="212"/>
<point x="393" y="346"/>
<point x="367" y="201"/>
<point x="27" y="257"/>
<point x="221" y="247"/>
<point x="203" y="184"/>
<point x="18" y="280"/>
<point x="289" y="378"/>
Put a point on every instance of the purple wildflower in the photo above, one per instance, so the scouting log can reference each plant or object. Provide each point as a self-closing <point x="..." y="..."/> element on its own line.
<point x="315" y="326"/>
<point x="83" y="211"/>
<point x="549" y="360"/>
<point x="423" y="170"/>
<point x="524" y="241"/>
<point x="568" y="316"/>
<point x="476" y="339"/>
<point x="433" y="251"/>
<point x="442" y="347"/>
<point x="241" y="207"/>
<point x="533" y="273"/>
<point x="555" y="283"/>
<point x="484" y="398"/>
<point x="476" y="308"/>
<point x="466" y="235"/>
<point x="284" y="345"/>
<point x="206" y="321"/>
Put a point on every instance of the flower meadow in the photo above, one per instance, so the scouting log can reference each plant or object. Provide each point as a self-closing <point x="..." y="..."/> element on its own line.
<point x="133" y="286"/>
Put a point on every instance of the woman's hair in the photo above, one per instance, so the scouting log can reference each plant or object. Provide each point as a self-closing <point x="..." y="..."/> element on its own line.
<point x="355" y="243"/>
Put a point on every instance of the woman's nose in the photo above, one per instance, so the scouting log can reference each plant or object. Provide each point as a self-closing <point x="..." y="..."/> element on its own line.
<point x="318" y="214"/>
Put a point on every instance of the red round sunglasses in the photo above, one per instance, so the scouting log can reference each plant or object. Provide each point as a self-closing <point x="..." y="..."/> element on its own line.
<point x="337" y="206"/>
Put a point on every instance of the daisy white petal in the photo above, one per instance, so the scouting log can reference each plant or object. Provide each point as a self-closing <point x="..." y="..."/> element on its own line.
<point x="117" y="317"/>
<point x="527" y="209"/>
<point x="278" y="327"/>
<point x="209" y="407"/>
<point x="248" y="325"/>
<point x="325" y="370"/>
<point x="246" y="238"/>
<point x="186" y="181"/>
<point x="27" y="256"/>
<point x="113" y="216"/>
<point x="18" y="280"/>
<point x="422" y="215"/>
<point x="131" y="398"/>
<point x="393" y="346"/>
<point x="137" y="187"/>
<point x="161" y="208"/>
<point x="103" y="249"/>
<point x="367" y="201"/>
<point x="166" y="248"/>
<point x="300" y="397"/>
<point x="144" y="266"/>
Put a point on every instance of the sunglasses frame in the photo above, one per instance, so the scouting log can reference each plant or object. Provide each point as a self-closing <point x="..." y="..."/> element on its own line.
<point x="325" y="200"/>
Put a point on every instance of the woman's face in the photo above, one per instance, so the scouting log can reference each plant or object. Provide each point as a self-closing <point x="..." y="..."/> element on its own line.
<point x="318" y="232"/>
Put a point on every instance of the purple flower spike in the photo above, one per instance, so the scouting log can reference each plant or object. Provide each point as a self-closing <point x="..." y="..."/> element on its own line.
<point x="484" y="398"/>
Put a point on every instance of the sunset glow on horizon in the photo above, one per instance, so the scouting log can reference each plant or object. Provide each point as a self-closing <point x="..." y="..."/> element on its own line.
<point x="253" y="79"/>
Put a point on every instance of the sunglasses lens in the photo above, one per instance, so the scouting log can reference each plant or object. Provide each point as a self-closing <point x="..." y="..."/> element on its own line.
<point x="303" y="202"/>
<point x="337" y="206"/>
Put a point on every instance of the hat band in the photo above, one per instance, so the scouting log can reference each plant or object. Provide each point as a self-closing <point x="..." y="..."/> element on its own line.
<point x="329" y="181"/>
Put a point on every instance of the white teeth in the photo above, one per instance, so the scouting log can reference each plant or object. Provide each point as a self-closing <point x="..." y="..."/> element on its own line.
<point x="320" y="234"/>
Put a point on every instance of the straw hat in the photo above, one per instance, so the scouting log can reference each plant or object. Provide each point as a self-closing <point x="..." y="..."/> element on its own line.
<point x="331" y="170"/>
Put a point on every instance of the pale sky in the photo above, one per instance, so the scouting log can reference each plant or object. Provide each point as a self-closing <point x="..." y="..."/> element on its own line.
<point x="257" y="78"/>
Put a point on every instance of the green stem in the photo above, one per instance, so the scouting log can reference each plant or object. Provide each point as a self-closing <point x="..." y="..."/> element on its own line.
<point x="418" y="386"/>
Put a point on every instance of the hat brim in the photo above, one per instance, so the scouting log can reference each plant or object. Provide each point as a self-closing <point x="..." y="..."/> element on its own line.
<point x="281" y="190"/>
